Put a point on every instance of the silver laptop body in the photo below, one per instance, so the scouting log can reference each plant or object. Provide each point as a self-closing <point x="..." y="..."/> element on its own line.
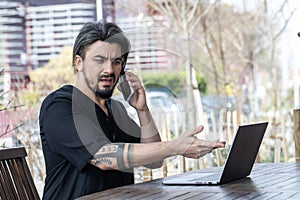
<point x="239" y="162"/>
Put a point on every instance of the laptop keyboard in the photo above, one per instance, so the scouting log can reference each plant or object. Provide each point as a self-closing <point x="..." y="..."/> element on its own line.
<point x="211" y="177"/>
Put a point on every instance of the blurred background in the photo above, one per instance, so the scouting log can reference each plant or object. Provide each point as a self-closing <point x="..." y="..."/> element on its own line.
<point x="213" y="62"/>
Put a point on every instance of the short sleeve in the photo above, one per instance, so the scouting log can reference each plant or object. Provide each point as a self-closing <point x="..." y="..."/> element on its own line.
<point x="72" y="133"/>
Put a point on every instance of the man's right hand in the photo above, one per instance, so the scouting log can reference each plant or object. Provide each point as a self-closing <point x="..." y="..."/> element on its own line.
<point x="189" y="146"/>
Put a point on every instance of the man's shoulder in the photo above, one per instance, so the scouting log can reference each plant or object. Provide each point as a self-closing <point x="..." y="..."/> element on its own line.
<point x="64" y="92"/>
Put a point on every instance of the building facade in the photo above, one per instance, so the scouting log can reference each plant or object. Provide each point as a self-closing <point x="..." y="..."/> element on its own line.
<point x="13" y="45"/>
<point x="51" y="25"/>
<point x="32" y="32"/>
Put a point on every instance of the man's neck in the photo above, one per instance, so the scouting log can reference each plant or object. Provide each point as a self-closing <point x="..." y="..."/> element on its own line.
<point x="98" y="100"/>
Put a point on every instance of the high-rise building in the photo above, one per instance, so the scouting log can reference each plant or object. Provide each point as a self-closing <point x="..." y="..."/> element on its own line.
<point x="12" y="45"/>
<point x="33" y="31"/>
<point x="51" y="25"/>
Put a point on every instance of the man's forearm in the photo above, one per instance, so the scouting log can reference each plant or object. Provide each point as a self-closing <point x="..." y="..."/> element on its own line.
<point x="149" y="134"/>
<point x="149" y="131"/>
<point x="127" y="155"/>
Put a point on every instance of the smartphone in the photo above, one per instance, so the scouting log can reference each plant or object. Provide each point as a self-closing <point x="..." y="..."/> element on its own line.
<point x="125" y="88"/>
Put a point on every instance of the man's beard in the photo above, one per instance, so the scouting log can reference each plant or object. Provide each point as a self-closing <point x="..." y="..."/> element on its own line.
<point x="102" y="93"/>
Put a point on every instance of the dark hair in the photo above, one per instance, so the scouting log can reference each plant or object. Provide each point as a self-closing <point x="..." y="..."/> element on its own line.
<point x="104" y="31"/>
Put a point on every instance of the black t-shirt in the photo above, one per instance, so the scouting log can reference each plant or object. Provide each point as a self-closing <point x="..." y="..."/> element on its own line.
<point x="73" y="128"/>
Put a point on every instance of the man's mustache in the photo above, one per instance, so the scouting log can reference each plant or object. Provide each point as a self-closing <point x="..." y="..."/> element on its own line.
<point x="105" y="76"/>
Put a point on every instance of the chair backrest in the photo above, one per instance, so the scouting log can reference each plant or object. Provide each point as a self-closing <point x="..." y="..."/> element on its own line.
<point x="16" y="181"/>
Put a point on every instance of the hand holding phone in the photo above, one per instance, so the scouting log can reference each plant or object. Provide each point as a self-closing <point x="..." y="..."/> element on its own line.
<point x="125" y="87"/>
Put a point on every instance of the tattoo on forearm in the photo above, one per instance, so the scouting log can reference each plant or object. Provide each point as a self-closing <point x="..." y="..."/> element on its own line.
<point x="104" y="161"/>
<point x="114" y="155"/>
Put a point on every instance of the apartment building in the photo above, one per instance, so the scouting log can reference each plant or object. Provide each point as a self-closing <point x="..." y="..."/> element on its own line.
<point x="33" y="31"/>
<point x="51" y="25"/>
<point x="12" y="45"/>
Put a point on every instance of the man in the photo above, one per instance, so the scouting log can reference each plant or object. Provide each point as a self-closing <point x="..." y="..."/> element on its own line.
<point x="89" y="142"/>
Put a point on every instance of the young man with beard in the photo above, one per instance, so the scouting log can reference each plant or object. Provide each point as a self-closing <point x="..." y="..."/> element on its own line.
<point x="89" y="142"/>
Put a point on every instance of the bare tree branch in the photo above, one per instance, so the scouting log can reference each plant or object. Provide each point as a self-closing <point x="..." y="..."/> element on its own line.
<point x="14" y="107"/>
<point x="195" y="6"/>
<point x="283" y="28"/>
<point x="8" y="131"/>
<point x="204" y="13"/>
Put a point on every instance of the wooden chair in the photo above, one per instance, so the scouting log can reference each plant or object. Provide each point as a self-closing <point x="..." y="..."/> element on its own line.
<point x="16" y="181"/>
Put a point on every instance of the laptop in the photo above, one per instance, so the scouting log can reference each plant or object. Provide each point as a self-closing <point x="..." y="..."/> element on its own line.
<point x="239" y="162"/>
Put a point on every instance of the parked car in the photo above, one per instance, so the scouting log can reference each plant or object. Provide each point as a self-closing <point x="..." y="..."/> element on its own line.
<point x="163" y="107"/>
<point x="162" y="101"/>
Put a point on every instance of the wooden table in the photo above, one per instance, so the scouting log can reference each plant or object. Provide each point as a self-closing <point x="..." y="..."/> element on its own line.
<point x="267" y="181"/>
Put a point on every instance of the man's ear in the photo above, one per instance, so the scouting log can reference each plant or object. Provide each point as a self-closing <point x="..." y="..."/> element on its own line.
<point x="78" y="63"/>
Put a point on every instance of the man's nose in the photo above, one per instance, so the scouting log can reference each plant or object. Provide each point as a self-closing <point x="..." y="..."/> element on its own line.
<point x="108" y="66"/>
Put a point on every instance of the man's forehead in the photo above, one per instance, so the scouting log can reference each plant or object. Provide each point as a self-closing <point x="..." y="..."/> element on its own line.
<point x="105" y="49"/>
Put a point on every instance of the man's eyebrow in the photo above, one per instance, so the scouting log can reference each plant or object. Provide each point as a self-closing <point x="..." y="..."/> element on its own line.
<point x="99" y="56"/>
<point x="103" y="57"/>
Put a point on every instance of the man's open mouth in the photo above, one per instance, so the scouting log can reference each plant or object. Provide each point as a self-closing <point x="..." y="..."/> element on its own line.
<point x="106" y="80"/>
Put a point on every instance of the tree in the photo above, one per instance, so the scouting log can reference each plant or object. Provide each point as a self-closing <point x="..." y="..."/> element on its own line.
<point x="56" y="72"/>
<point x="227" y="45"/>
<point x="181" y="17"/>
<point x="276" y="21"/>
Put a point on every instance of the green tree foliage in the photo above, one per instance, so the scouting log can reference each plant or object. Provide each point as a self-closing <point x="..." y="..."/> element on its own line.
<point x="173" y="80"/>
<point x="30" y="98"/>
<point x="56" y="72"/>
